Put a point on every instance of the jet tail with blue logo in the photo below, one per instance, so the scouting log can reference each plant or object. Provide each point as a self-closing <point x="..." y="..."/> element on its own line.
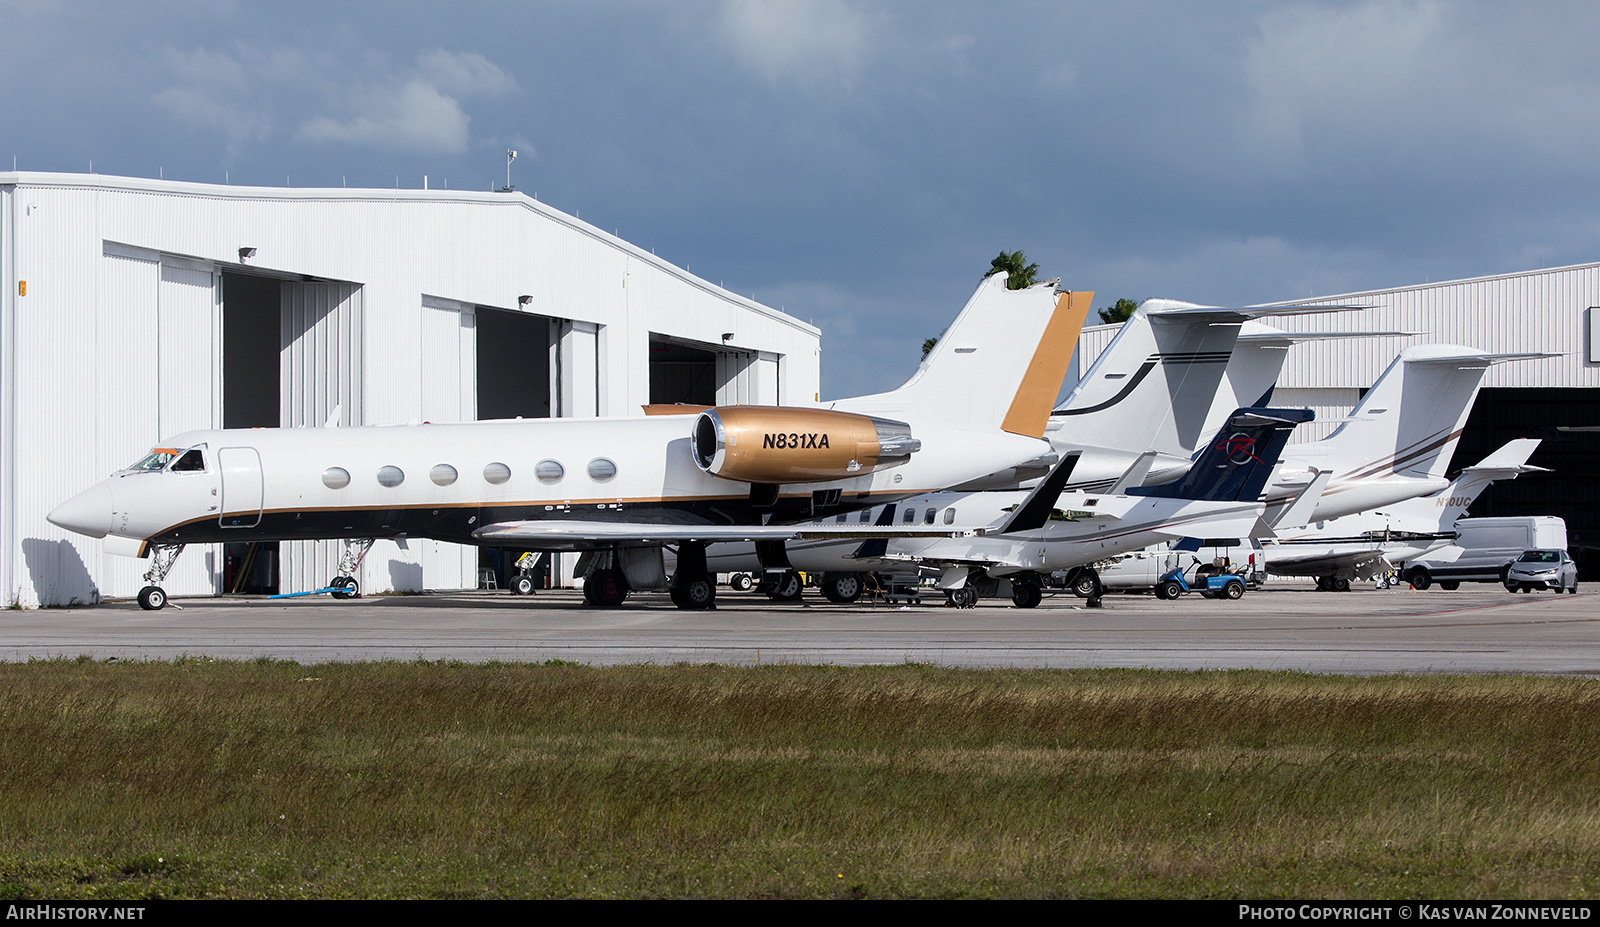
<point x="1236" y="465"/>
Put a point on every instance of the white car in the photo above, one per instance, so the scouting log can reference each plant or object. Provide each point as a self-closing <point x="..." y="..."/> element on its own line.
<point x="1542" y="569"/>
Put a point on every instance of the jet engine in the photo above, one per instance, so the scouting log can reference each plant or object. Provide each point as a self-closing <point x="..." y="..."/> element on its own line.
<point x="778" y="444"/>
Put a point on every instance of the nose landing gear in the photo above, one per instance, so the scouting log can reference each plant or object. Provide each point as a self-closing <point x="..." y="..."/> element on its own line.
<point x="162" y="556"/>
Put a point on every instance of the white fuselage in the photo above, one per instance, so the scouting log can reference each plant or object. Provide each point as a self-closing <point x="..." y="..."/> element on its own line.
<point x="447" y="481"/>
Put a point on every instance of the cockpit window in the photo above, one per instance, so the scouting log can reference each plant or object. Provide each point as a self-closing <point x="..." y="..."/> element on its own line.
<point x="157" y="459"/>
<point x="191" y="460"/>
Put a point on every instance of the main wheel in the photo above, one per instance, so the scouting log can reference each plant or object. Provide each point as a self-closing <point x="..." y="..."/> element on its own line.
<point x="842" y="589"/>
<point x="740" y="582"/>
<point x="695" y="594"/>
<point x="1026" y="595"/>
<point x="1086" y="585"/>
<point x="605" y="588"/>
<point x="1233" y="589"/>
<point x="152" y="598"/>
<point x="522" y="585"/>
<point x="1341" y="585"/>
<point x="787" y="588"/>
<point x="965" y="597"/>
<point x="1169" y="590"/>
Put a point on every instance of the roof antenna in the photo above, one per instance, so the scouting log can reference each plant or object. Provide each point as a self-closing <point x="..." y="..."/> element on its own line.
<point x="510" y="156"/>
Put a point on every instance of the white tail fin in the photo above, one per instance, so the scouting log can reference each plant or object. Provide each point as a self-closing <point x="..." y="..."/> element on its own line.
<point x="1411" y="420"/>
<point x="1160" y="384"/>
<point x="997" y="368"/>
<point x="1440" y="510"/>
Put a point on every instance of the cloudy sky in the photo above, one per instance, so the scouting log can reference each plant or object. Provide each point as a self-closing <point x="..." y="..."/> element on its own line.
<point x="860" y="163"/>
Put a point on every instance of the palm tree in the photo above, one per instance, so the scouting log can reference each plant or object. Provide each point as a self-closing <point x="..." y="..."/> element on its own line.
<point x="1019" y="274"/>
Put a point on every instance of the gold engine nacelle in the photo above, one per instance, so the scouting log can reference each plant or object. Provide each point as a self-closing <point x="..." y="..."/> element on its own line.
<point x="777" y="444"/>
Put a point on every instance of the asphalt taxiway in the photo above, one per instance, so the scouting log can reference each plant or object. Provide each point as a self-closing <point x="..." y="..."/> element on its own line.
<point x="1480" y="629"/>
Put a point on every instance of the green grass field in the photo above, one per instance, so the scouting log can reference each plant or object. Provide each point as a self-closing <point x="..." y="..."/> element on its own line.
<point x="202" y="779"/>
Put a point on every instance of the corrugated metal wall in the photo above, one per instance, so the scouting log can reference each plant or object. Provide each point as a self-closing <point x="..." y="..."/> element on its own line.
<point x="320" y="363"/>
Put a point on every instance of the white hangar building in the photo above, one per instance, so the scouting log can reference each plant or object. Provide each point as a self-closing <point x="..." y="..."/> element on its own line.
<point x="1552" y="311"/>
<point x="135" y="309"/>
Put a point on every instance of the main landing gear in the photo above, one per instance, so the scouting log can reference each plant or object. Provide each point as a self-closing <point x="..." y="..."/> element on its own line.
<point x="162" y="556"/>
<point x="693" y="586"/>
<point x="344" y="585"/>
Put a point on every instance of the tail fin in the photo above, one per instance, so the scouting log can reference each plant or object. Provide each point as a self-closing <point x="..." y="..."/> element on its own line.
<point x="1257" y="362"/>
<point x="1450" y="503"/>
<point x="997" y="368"/>
<point x="1035" y="510"/>
<point x="1237" y="464"/>
<point x="1162" y="383"/>
<point x="1411" y="420"/>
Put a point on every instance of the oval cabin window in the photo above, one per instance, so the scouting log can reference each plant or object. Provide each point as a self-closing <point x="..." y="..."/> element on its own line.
<point x="391" y="476"/>
<point x="601" y="470"/>
<point x="336" y="477"/>
<point x="496" y="473"/>
<point x="548" y="471"/>
<point x="442" y="474"/>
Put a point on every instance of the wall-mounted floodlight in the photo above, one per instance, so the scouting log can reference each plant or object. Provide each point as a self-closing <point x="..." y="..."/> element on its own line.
<point x="727" y="337"/>
<point x="245" y="254"/>
<point x="524" y="299"/>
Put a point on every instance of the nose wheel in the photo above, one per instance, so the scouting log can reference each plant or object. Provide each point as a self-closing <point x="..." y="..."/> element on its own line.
<point x="152" y="598"/>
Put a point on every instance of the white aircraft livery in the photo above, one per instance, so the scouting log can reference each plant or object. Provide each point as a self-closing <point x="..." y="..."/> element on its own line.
<point x="622" y="487"/>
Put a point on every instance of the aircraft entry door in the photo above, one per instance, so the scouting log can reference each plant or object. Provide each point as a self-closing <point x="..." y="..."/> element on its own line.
<point x="241" y="487"/>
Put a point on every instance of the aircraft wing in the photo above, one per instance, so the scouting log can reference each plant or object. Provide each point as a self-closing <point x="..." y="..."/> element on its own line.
<point x="583" y="535"/>
<point x="1324" y="562"/>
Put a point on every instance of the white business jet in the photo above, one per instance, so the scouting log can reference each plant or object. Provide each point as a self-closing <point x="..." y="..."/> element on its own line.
<point x="1397" y="442"/>
<point x="620" y="489"/>
<point x="1367" y="545"/>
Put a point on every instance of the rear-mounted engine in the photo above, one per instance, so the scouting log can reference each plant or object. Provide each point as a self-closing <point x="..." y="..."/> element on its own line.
<point x="777" y="444"/>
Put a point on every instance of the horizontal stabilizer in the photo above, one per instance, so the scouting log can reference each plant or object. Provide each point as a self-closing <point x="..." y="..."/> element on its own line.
<point x="1299" y="511"/>
<point x="1513" y="455"/>
<point x="1164" y="310"/>
<point x="1135" y="474"/>
<point x="1274" y="336"/>
<point x="1472" y="360"/>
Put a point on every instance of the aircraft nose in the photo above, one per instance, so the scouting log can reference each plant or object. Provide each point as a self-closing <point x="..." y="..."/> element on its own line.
<point x="89" y="512"/>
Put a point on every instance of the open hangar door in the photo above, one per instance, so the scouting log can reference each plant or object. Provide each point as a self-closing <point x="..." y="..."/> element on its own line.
<point x="1567" y="422"/>
<point x="699" y="374"/>
<point x="291" y="356"/>
<point x="514" y="366"/>
<point x="251" y="306"/>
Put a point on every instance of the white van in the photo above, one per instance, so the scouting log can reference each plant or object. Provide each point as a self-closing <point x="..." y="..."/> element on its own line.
<point x="1484" y="548"/>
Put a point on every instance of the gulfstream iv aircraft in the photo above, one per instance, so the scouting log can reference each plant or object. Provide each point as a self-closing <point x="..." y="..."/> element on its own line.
<point x="620" y="489"/>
